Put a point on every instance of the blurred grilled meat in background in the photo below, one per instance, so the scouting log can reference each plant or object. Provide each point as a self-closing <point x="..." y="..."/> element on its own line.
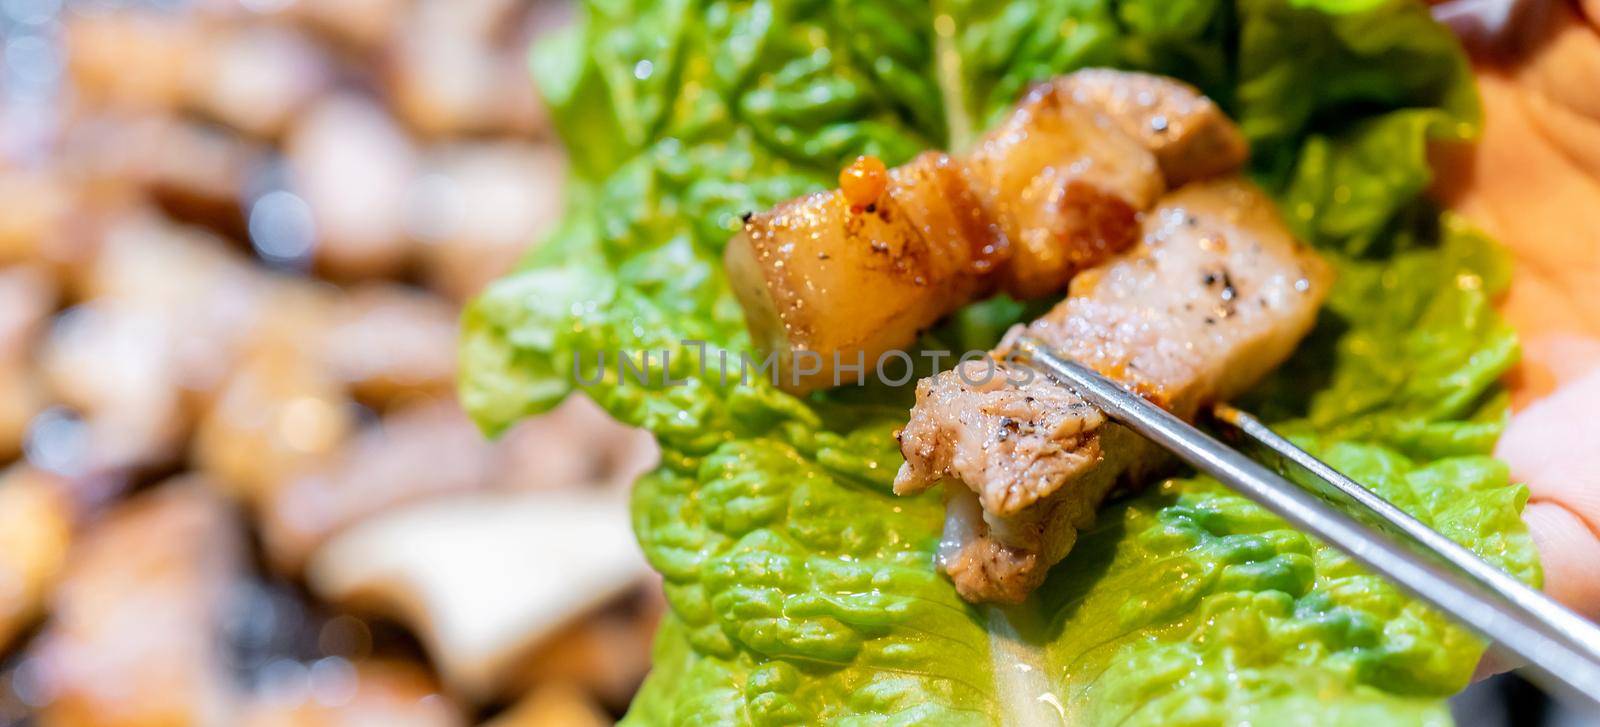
<point x="236" y="488"/>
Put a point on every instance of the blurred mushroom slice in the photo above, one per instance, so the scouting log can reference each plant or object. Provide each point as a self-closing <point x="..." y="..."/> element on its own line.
<point x="607" y="652"/>
<point x="207" y="298"/>
<point x="135" y="630"/>
<point x="170" y="308"/>
<point x="352" y="165"/>
<point x="35" y="531"/>
<point x="278" y="415"/>
<point x="162" y="264"/>
<point x="427" y="450"/>
<point x="113" y="366"/>
<point x="389" y="343"/>
<point x="485" y="578"/>
<point x="479" y="207"/>
<point x="37" y="204"/>
<point x="27" y="296"/>
<point x="49" y="219"/>
<point x="196" y="172"/>
<point x="253" y="77"/>
<point x="420" y="452"/>
<point x="22" y="397"/>
<point x="574" y="445"/>
<point x="552" y="704"/>
<point x="339" y="693"/>
<point x="460" y="68"/>
<point x="257" y="77"/>
<point x="361" y="24"/>
<point x="133" y="58"/>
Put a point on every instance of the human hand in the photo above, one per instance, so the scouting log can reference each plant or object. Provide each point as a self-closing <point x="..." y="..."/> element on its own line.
<point x="1533" y="180"/>
<point x="1554" y="447"/>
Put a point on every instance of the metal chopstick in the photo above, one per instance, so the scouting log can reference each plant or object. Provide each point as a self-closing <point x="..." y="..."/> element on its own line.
<point x="1557" y="648"/>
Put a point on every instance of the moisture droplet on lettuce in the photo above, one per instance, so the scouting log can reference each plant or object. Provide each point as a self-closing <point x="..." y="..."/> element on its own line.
<point x="801" y="590"/>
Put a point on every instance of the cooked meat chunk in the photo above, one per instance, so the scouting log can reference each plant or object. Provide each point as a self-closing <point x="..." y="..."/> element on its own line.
<point x="276" y="416"/>
<point x="1001" y="559"/>
<point x="259" y="77"/>
<point x="352" y="164"/>
<point x="389" y="343"/>
<point x="36" y="518"/>
<point x="429" y="450"/>
<point x="1011" y="427"/>
<point x="1189" y="135"/>
<point x="136" y="624"/>
<point x="372" y="692"/>
<point x="994" y="558"/>
<point x="1217" y="293"/>
<point x="494" y="200"/>
<point x="824" y="276"/>
<point x="26" y="298"/>
<point x="1065" y="186"/>
<point x="420" y="452"/>
<point x="553" y="703"/>
<point x="840" y="277"/>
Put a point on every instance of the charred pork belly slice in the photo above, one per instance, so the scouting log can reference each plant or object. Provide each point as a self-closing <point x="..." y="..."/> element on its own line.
<point x="828" y="276"/>
<point x="1065" y="185"/>
<point x="1188" y="133"/>
<point x="1216" y="294"/>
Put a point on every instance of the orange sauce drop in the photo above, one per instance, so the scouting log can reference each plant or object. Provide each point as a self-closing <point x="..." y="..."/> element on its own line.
<point x="864" y="181"/>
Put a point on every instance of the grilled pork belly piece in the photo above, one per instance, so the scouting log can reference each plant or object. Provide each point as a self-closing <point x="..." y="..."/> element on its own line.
<point x="1216" y="294"/>
<point x="822" y="275"/>
<point x="1188" y="133"/>
<point x="843" y="276"/>
<point x="998" y="423"/>
<point x="1065" y="185"/>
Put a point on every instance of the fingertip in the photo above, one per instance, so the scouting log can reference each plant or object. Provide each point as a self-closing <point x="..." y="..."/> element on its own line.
<point x="1554" y="446"/>
<point x="1569" y="552"/>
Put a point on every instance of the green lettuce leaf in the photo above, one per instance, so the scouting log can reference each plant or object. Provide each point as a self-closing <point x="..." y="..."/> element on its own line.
<point x="801" y="590"/>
